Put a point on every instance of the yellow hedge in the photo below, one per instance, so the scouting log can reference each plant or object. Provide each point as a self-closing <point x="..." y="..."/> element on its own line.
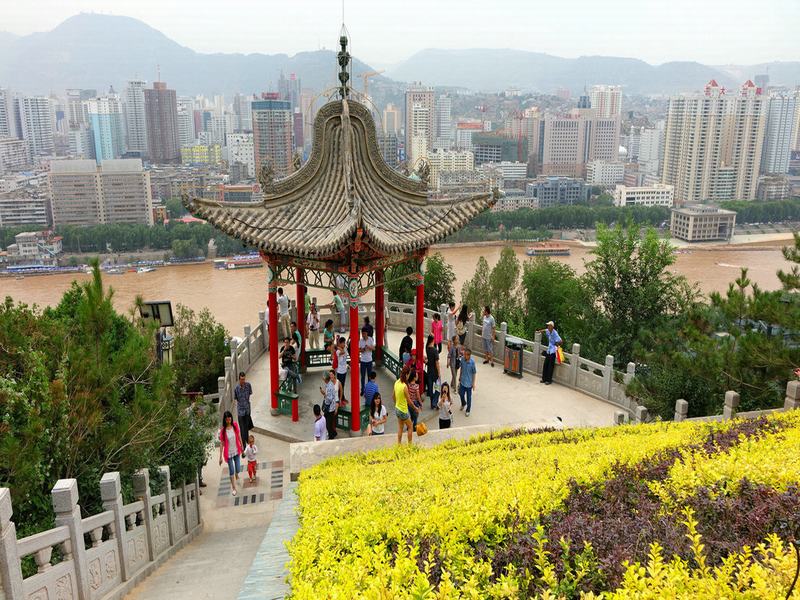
<point x="364" y="518"/>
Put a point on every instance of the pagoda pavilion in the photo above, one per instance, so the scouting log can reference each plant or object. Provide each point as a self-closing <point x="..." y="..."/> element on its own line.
<point x="340" y="221"/>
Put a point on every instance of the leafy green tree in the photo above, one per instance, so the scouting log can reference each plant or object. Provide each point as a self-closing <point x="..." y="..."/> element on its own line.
<point x="175" y="208"/>
<point x="439" y="279"/>
<point x="82" y="394"/>
<point x="476" y="293"/>
<point x="185" y="249"/>
<point x="631" y="285"/>
<point x="552" y="291"/>
<point x="503" y="286"/>
<point x="791" y="279"/>
<point x="200" y="349"/>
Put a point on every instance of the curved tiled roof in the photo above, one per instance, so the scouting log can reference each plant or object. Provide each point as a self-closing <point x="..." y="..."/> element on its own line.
<point x="344" y="186"/>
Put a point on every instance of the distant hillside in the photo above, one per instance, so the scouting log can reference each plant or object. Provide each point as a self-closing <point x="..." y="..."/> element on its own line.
<point x="493" y="69"/>
<point x="486" y="69"/>
<point x="95" y="51"/>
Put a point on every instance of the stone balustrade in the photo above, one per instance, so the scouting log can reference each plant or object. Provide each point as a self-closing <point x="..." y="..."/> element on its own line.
<point x="103" y="556"/>
<point x="791" y="402"/>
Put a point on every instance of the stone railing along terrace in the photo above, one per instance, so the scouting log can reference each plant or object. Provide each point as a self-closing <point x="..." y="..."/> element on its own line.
<point x="101" y="557"/>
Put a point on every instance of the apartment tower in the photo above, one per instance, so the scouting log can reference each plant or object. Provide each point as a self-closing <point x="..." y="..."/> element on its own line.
<point x="161" y="110"/>
<point x="713" y="144"/>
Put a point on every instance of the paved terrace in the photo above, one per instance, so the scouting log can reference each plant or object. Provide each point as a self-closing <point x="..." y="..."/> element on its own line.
<point x="500" y="399"/>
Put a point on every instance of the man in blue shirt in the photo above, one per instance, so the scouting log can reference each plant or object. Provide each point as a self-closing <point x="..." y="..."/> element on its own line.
<point x="370" y="389"/>
<point x="466" y="383"/>
<point x="553" y="341"/>
<point x="242" y="394"/>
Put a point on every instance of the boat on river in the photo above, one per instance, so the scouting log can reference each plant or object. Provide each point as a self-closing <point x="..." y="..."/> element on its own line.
<point x="244" y="261"/>
<point x="548" y="249"/>
<point x="141" y="270"/>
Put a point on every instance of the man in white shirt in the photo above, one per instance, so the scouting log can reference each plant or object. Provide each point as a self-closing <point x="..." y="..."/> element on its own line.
<point x="284" y="319"/>
<point x="320" y="431"/>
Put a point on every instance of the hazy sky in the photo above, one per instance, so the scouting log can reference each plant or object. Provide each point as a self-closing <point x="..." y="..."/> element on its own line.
<point x="382" y="32"/>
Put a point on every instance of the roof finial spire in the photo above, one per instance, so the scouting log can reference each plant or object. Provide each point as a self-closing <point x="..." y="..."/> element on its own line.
<point x="343" y="58"/>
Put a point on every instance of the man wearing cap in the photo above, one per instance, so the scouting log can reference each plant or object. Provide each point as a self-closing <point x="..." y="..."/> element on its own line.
<point x="553" y="340"/>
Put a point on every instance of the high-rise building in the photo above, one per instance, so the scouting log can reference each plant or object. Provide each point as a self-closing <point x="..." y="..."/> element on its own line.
<point x="603" y="172"/>
<point x="449" y="160"/>
<point x="136" y="117"/>
<point x="289" y="89"/>
<point x="272" y="134"/>
<point x="569" y="142"/>
<point x="796" y="141"/>
<point x="651" y="149"/>
<point x="552" y="191"/>
<point x="388" y="145"/>
<point x="217" y="128"/>
<point x="606" y="100"/>
<point x="161" y="109"/>
<point x="83" y="193"/>
<point x="75" y="193"/>
<point x="14" y="155"/>
<point x="76" y="106"/>
<point x="241" y="150"/>
<point x="81" y="142"/>
<point x="713" y="144"/>
<point x="391" y="119"/>
<point x="243" y="112"/>
<point x="465" y="130"/>
<point x="37" y="124"/>
<point x="297" y="130"/>
<point x="495" y="148"/>
<point x="443" y="121"/>
<point x="418" y="138"/>
<point x="127" y="197"/>
<point x="105" y="118"/>
<point x="420" y="106"/>
<point x="779" y="133"/>
<point x="308" y="104"/>
<point x="7" y="128"/>
<point x="186" y="131"/>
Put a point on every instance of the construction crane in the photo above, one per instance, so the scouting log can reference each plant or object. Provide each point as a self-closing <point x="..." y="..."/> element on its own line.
<point x="365" y="78"/>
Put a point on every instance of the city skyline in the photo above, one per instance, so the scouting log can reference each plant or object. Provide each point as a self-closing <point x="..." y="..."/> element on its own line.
<point x="716" y="35"/>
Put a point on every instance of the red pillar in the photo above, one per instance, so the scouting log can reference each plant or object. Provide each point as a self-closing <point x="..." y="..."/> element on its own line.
<point x="272" y="306"/>
<point x="380" y="317"/>
<point x="420" y="312"/>
<point x="301" y="316"/>
<point x="355" y="368"/>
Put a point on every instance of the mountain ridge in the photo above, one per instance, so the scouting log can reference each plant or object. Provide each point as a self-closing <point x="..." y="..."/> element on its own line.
<point x="91" y="50"/>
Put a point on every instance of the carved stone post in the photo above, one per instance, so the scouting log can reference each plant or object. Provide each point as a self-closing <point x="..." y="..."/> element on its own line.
<point x="167" y="491"/>
<point x="619" y="417"/>
<point x="64" y="497"/>
<point x="608" y="376"/>
<point x="111" y="495"/>
<point x="641" y="414"/>
<point x="247" y="332"/>
<point x="731" y="404"/>
<point x="10" y="568"/>
<point x="681" y="410"/>
<point x="501" y="342"/>
<point x="630" y="373"/>
<point x="537" y="353"/>
<point x="262" y="323"/>
<point x="229" y="379"/>
<point x="575" y="365"/>
<point x="141" y="490"/>
<point x="792" y="400"/>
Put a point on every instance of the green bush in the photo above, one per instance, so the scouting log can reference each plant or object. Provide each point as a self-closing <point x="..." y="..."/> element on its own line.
<point x="81" y="394"/>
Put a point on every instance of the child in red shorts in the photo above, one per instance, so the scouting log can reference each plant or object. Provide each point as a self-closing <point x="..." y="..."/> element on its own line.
<point x="250" y="452"/>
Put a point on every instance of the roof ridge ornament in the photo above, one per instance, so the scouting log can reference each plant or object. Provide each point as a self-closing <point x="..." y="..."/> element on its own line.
<point x="343" y="58"/>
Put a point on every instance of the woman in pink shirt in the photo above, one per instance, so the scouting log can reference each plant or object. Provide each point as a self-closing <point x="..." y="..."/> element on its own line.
<point x="436" y="330"/>
<point x="230" y="447"/>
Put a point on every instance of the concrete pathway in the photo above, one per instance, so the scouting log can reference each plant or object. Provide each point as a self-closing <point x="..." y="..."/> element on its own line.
<point x="499" y="400"/>
<point x="215" y="565"/>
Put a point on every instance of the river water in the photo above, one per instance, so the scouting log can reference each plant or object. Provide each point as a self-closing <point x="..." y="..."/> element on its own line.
<point x="236" y="297"/>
